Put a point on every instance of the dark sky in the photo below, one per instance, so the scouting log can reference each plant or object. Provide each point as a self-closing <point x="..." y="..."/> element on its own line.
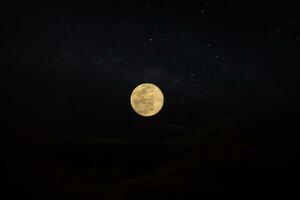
<point x="229" y="71"/>
<point x="75" y="65"/>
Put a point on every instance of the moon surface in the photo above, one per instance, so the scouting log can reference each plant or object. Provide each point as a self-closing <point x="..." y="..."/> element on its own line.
<point x="147" y="99"/>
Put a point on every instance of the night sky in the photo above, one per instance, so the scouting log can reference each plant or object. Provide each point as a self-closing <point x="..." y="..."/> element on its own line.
<point x="229" y="71"/>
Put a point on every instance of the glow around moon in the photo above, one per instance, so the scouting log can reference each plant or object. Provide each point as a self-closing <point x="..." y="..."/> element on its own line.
<point x="147" y="99"/>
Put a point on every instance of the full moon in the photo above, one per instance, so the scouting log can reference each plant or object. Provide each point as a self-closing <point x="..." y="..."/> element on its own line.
<point x="147" y="99"/>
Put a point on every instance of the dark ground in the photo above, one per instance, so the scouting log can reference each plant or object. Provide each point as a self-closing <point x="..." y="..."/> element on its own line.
<point x="248" y="163"/>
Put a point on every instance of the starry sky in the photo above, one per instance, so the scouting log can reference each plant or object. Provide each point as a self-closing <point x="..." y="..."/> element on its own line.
<point x="76" y="65"/>
<point x="229" y="71"/>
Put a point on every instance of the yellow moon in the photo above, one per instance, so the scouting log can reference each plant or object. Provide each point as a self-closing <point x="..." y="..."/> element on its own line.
<point x="147" y="99"/>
